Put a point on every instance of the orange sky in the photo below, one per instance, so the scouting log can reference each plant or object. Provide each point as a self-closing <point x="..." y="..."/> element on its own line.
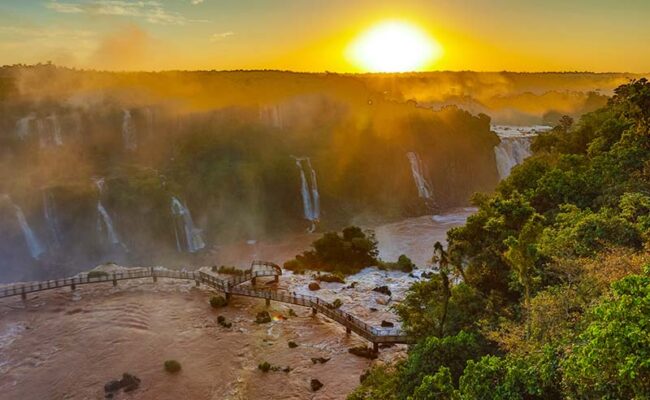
<point x="313" y="35"/>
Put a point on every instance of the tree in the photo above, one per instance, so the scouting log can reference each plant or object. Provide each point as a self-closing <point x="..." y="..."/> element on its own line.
<point x="522" y="254"/>
<point x="612" y="357"/>
<point x="427" y="357"/>
<point x="440" y="257"/>
<point x="436" y="387"/>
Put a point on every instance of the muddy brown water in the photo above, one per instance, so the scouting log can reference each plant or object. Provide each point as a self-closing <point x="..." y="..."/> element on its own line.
<point x="66" y="345"/>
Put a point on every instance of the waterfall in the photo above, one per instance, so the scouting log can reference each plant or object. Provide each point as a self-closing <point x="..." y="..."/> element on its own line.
<point x="417" y="170"/>
<point x="104" y="221"/>
<point x="55" y="130"/>
<point x="23" y="126"/>
<point x="190" y="239"/>
<point x="272" y="115"/>
<point x="514" y="147"/>
<point x="149" y="117"/>
<point x="36" y="249"/>
<point x="510" y="152"/>
<point x="128" y="132"/>
<point x="309" y="191"/>
<point x="49" y="212"/>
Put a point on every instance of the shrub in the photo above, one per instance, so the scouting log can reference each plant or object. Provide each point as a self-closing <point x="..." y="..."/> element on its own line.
<point x="97" y="274"/>
<point x="295" y="266"/>
<point x="172" y="366"/>
<point x="228" y="270"/>
<point x="264" y="367"/>
<point x="337" y="303"/>
<point x="218" y="301"/>
<point x="338" y="278"/>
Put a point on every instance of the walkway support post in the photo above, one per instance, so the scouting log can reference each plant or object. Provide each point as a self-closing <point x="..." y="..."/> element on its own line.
<point x="268" y="302"/>
<point x="348" y="330"/>
<point x="73" y="287"/>
<point x="23" y="295"/>
<point x="375" y="347"/>
<point x="253" y="281"/>
<point x="313" y="311"/>
<point x="114" y="280"/>
<point x="153" y="275"/>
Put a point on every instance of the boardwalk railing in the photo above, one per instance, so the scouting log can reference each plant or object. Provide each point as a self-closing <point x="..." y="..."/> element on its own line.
<point x="230" y="286"/>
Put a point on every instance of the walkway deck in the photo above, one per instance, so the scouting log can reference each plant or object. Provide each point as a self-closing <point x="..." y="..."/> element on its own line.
<point x="229" y="286"/>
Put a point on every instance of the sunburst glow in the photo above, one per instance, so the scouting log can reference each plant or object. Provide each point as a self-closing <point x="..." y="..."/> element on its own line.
<point x="394" y="46"/>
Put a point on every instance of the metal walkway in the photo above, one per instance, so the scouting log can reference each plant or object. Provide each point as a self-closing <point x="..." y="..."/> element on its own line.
<point x="229" y="286"/>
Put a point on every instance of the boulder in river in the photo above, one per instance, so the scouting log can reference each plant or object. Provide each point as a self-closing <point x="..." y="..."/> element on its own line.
<point x="319" y="360"/>
<point x="316" y="385"/>
<point x="263" y="317"/>
<point x="314" y="286"/>
<point x="383" y="290"/>
<point x="387" y="324"/>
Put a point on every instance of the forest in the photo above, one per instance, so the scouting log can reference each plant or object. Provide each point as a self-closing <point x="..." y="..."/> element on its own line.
<point x="545" y="292"/>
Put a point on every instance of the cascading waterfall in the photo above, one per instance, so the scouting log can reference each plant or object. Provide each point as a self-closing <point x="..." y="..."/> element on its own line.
<point x="23" y="126"/>
<point x="514" y="147"/>
<point x="190" y="238"/>
<point x="128" y="131"/>
<point x="36" y="249"/>
<point x="272" y="115"/>
<point x="421" y="182"/>
<point x="49" y="212"/>
<point x="309" y="192"/>
<point x="55" y="130"/>
<point x="49" y="131"/>
<point x="105" y="226"/>
<point x="510" y="152"/>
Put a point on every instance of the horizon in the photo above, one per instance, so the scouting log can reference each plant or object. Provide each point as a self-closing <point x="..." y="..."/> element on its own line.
<point x="288" y="35"/>
<point x="325" y="72"/>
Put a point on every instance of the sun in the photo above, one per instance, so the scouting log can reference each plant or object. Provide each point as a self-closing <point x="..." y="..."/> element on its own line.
<point x="394" y="46"/>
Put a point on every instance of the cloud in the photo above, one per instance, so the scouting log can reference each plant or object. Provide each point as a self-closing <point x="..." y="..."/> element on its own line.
<point x="150" y="10"/>
<point x="126" y="49"/>
<point x="221" y="36"/>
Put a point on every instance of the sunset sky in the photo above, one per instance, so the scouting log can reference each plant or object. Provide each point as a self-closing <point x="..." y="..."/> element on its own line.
<point x="316" y="35"/>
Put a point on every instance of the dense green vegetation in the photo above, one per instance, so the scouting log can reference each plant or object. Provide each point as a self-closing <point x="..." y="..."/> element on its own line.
<point x="345" y="253"/>
<point x="552" y="298"/>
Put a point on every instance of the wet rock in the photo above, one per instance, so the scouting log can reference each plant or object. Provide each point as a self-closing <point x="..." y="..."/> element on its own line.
<point x="292" y="344"/>
<point x="112" y="386"/>
<point x="320" y="360"/>
<point x="314" y="286"/>
<point x="128" y="383"/>
<point x="383" y="290"/>
<point x="351" y="286"/>
<point x="387" y="324"/>
<point x="263" y="317"/>
<point x="363" y="351"/>
<point x="316" y="385"/>
<point x="386" y="345"/>
<point x="382" y="301"/>
<point x="222" y="321"/>
<point x="373" y="309"/>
